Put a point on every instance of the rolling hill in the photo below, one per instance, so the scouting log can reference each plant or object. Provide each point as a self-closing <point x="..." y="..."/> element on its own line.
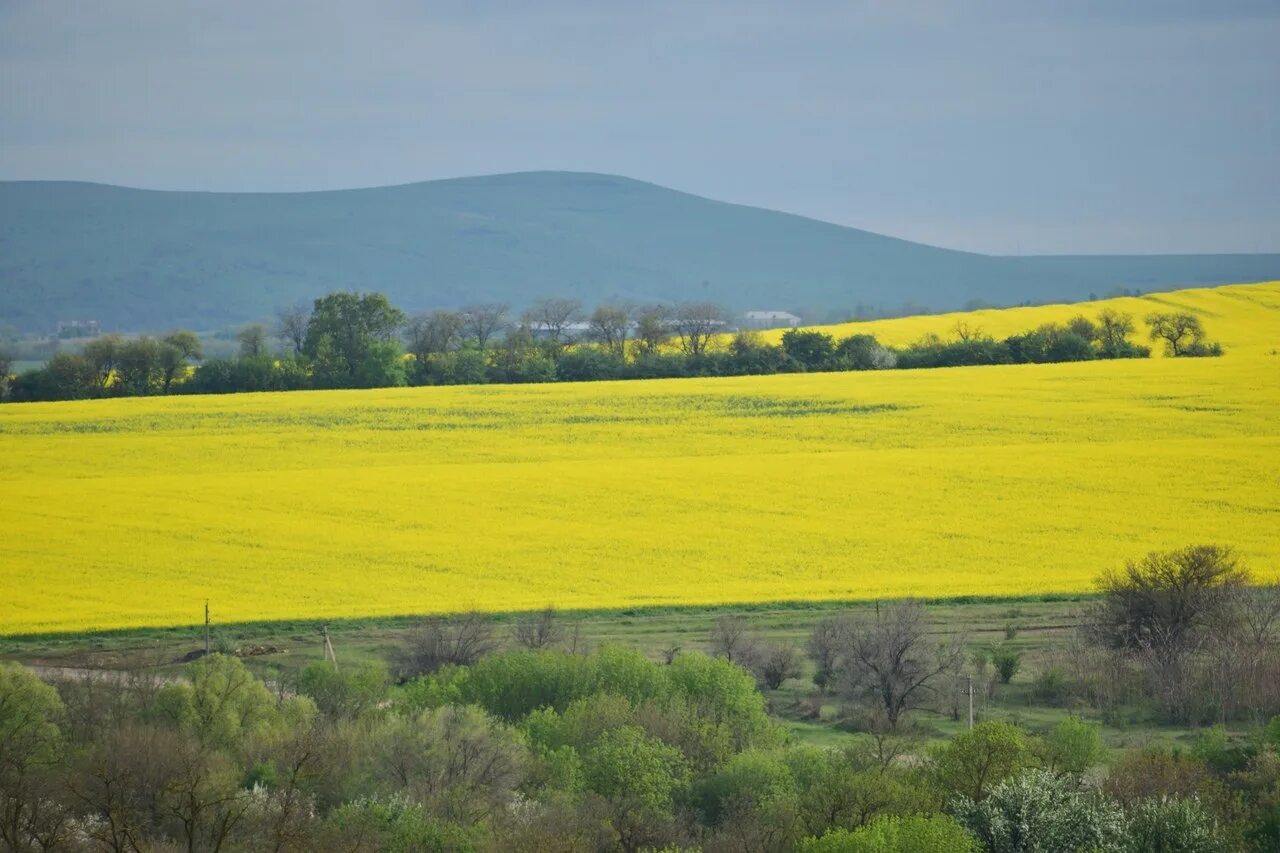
<point x="147" y="260"/>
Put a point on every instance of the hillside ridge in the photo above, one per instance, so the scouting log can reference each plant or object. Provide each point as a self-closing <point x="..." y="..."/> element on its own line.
<point x="142" y="259"/>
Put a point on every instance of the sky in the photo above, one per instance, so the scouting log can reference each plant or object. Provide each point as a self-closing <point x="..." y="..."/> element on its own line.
<point x="1008" y="128"/>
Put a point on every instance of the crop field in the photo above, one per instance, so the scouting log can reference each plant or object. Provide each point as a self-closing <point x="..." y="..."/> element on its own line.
<point x="1012" y="480"/>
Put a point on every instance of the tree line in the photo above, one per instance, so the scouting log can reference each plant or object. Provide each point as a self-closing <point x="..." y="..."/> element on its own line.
<point x="353" y="340"/>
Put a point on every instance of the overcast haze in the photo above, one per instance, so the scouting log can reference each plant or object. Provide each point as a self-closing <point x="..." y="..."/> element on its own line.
<point x="993" y="127"/>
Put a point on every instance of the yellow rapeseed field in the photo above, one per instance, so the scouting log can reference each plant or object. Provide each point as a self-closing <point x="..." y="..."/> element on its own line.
<point x="990" y="480"/>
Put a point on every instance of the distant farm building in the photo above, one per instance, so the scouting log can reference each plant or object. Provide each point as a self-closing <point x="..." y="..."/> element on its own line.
<point x="770" y="320"/>
<point x="78" y="329"/>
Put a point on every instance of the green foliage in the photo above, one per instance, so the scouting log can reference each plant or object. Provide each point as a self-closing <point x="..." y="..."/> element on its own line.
<point x="1072" y="746"/>
<point x="350" y="340"/>
<point x="895" y="834"/>
<point x="979" y="758"/>
<point x="749" y="782"/>
<point x="397" y="825"/>
<point x="1038" y="812"/>
<point x="29" y="715"/>
<point x="1173" y="825"/>
<point x="629" y="766"/>
<point x="459" y="761"/>
<point x="222" y="703"/>
<point x="843" y="788"/>
<point x="812" y="350"/>
<point x="346" y="693"/>
<point x="1007" y="663"/>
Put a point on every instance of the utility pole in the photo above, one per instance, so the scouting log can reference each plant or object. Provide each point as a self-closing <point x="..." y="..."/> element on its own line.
<point x="970" y="679"/>
<point x="206" y="626"/>
<point x="328" y="646"/>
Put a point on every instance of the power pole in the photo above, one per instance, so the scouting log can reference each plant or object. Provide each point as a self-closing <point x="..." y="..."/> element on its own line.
<point x="328" y="646"/>
<point x="206" y="626"/>
<point x="970" y="680"/>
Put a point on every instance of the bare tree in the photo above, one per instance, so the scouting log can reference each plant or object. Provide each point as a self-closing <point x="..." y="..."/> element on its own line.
<point x="1167" y="596"/>
<point x="825" y="643"/>
<point x="889" y="662"/>
<point x="1258" y="608"/>
<point x="609" y="326"/>
<point x="653" y="328"/>
<point x="966" y="333"/>
<point x="552" y="318"/>
<point x="433" y="333"/>
<point x="732" y="638"/>
<point x="539" y="630"/>
<point x="291" y="325"/>
<point x="482" y="322"/>
<point x="774" y="663"/>
<point x="253" y="341"/>
<point x="697" y="323"/>
<point x="460" y="641"/>
<point x="1114" y="329"/>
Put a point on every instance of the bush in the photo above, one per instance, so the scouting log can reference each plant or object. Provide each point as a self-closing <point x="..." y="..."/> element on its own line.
<point x="892" y="834"/>
<point x="397" y="825"/>
<point x="1038" y="811"/>
<point x="1073" y="746"/>
<point x="1007" y="662"/>
<point x="1051" y="687"/>
<point x="1173" y="825"/>
<point x="774" y="663"/>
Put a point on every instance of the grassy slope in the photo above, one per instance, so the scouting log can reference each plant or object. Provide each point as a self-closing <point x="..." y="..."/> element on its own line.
<point x="999" y="481"/>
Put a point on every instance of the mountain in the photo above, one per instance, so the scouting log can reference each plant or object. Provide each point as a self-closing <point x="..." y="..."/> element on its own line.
<point x="148" y="260"/>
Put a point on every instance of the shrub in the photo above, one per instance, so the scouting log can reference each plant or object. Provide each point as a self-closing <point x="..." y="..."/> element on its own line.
<point x="1051" y="687"/>
<point x="893" y="834"/>
<point x="1007" y="662"/>
<point x="1173" y="825"/>
<point x="774" y="663"/>
<point x="1073" y="746"/>
<point x="1038" y="811"/>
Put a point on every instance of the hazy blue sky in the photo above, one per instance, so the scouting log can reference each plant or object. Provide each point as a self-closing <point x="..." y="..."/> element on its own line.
<point x="999" y="127"/>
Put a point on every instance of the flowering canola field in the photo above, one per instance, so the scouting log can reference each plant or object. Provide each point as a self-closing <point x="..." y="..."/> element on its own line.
<point x="990" y="480"/>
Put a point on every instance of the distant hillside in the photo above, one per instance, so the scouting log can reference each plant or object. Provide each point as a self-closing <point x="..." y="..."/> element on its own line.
<point x="140" y="259"/>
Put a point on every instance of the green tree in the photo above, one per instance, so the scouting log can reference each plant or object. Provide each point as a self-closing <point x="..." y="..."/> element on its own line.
<point x="68" y="377"/>
<point x="1072" y="746"/>
<point x="814" y="350"/>
<point x="346" y="693"/>
<point x="351" y="339"/>
<point x="176" y="351"/>
<point x="642" y="778"/>
<point x="221" y="702"/>
<point x="975" y="760"/>
<point x="30" y="743"/>
<point x="138" y="367"/>
<point x="104" y="354"/>
<point x="461" y="763"/>
<point x="1182" y="333"/>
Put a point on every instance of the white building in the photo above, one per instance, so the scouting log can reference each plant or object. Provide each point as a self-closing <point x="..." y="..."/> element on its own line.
<point x="769" y="320"/>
